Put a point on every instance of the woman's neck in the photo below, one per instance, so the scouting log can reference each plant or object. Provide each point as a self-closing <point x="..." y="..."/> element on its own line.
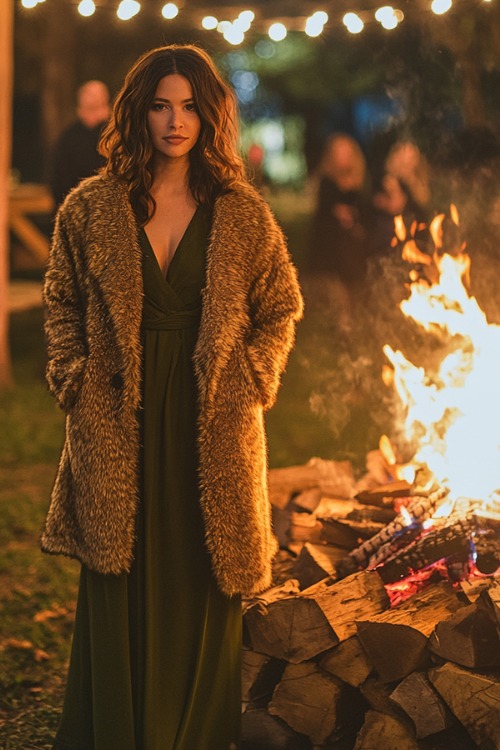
<point x="171" y="176"/>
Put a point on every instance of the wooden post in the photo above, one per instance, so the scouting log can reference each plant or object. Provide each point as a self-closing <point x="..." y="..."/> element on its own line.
<point x="6" y="67"/>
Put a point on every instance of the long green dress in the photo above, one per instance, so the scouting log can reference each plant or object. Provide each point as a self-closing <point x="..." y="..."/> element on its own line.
<point x="155" y="661"/>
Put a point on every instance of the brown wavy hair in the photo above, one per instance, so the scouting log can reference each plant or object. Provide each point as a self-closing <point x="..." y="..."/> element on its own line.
<point x="215" y="164"/>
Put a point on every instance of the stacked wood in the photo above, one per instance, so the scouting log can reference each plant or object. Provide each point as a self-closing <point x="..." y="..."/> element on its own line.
<point x="316" y="718"/>
<point x="396" y="641"/>
<point x="469" y="638"/>
<point x="367" y="611"/>
<point x="348" y="661"/>
<point x="316" y="562"/>
<point x="314" y="659"/>
<point x="474" y="698"/>
<point x="490" y="599"/>
<point x="346" y="532"/>
<point x="298" y="628"/>
<point x="332" y="478"/>
<point x="387" y="732"/>
<point x="423" y="704"/>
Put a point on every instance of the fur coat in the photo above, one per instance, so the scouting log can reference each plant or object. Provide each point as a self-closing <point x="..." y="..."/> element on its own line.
<point x="93" y="299"/>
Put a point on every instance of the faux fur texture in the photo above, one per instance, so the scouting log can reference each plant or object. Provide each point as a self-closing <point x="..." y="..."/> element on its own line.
<point x="93" y="297"/>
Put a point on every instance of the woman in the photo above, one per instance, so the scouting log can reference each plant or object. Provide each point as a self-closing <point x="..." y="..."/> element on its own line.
<point x="171" y="306"/>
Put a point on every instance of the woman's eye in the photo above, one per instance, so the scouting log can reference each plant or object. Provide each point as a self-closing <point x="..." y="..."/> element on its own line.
<point x="158" y="107"/>
<point x="191" y="107"/>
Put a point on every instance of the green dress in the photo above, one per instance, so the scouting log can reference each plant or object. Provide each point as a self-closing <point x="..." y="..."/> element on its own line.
<point x="155" y="661"/>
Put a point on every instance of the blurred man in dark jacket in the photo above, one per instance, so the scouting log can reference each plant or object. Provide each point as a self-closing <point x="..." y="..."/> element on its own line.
<point x="75" y="154"/>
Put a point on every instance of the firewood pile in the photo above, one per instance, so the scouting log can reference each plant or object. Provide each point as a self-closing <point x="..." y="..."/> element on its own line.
<point x="382" y="631"/>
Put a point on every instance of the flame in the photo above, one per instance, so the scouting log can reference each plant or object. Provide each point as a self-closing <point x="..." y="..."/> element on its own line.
<point x="453" y="414"/>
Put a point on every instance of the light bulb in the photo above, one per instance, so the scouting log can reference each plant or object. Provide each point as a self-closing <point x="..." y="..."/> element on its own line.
<point x="277" y="32"/>
<point x="169" y="11"/>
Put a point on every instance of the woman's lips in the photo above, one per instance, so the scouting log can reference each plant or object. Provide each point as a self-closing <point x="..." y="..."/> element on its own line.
<point x="175" y="138"/>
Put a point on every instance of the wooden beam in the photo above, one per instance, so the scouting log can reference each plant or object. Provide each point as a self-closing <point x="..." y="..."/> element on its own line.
<point x="6" y="76"/>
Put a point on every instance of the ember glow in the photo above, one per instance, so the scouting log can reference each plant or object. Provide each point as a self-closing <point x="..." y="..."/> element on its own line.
<point x="452" y="413"/>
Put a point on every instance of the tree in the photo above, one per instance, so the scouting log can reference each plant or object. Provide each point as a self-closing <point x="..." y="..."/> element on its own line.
<point x="6" y="28"/>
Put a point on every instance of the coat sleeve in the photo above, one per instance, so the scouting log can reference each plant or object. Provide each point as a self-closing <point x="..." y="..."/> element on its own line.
<point x="275" y="306"/>
<point x="64" y="320"/>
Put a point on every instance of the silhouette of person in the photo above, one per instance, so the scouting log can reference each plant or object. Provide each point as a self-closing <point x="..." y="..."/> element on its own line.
<point x="339" y="231"/>
<point x="75" y="154"/>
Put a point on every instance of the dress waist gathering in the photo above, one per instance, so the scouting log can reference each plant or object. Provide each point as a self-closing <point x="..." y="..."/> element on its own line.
<point x="165" y="320"/>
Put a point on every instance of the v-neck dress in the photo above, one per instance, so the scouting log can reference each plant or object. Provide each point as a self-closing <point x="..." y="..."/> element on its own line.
<point x="155" y="662"/>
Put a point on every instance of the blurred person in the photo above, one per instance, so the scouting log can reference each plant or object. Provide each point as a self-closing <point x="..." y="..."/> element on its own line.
<point x="171" y="306"/>
<point x="76" y="154"/>
<point x="338" y="250"/>
<point x="404" y="189"/>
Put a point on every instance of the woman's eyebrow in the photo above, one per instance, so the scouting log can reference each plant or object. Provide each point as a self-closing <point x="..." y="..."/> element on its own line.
<point x="167" y="101"/>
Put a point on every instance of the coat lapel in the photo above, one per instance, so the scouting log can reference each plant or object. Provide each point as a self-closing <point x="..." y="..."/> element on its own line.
<point x="115" y="267"/>
<point x="224" y="313"/>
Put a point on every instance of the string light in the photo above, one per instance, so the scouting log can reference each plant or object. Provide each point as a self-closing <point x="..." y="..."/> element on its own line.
<point x="247" y="15"/>
<point x="128" y="9"/>
<point x="170" y="11"/>
<point x="441" y="6"/>
<point x="353" y="23"/>
<point x="315" y="23"/>
<point x="233" y="34"/>
<point x="388" y="17"/>
<point x="234" y="31"/>
<point x="277" y="32"/>
<point x="209" y="23"/>
<point x="244" y="21"/>
<point x="86" y="8"/>
<point x="223" y="26"/>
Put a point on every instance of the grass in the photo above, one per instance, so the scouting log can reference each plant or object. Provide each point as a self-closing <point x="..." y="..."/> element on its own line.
<point x="37" y="592"/>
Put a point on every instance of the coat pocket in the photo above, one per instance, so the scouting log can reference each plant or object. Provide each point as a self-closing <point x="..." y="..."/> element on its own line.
<point x="65" y="380"/>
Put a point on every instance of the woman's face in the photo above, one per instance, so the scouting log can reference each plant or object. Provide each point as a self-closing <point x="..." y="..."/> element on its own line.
<point x="173" y="122"/>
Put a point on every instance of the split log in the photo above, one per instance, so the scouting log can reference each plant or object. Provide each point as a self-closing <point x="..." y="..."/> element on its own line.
<point x="315" y="562"/>
<point x="307" y="500"/>
<point x="330" y="507"/>
<point x="252" y="664"/>
<point x="281" y="525"/>
<point x="260" y="731"/>
<point x="307" y="700"/>
<point x="378" y="697"/>
<point x="304" y="527"/>
<point x="490" y="600"/>
<point x="259" y="676"/>
<point x="474" y="699"/>
<point x="469" y="638"/>
<point x="348" y="662"/>
<point x="385" y="494"/>
<point x="346" y="533"/>
<point x="333" y="478"/>
<point x="300" y="627"/>
<point x="383" y="731"/>
<point x="371" y="513"/>
<point x="294" y="629"/>
<point x="283" y="567"/>
<point x="396" y="641"/>
<point x="344" y="602"/>
<point x="423" y="704"/>
<point x="472" y="588"/>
